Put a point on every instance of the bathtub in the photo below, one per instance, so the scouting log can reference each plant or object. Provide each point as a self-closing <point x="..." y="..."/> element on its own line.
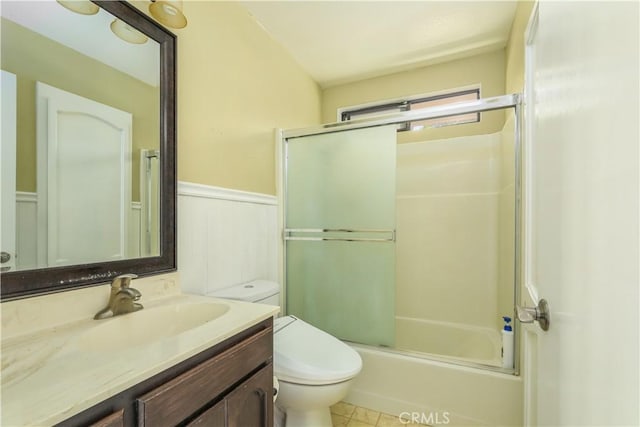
<point x="440" y="390"/>
<point x="443" y="339"/>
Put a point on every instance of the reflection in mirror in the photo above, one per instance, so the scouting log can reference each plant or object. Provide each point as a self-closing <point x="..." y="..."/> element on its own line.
<point x="85" y="116"/>
<point x="82" y="169"/>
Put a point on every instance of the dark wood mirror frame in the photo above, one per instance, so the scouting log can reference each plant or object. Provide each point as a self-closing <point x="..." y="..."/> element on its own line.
<point x="26" y="283"/>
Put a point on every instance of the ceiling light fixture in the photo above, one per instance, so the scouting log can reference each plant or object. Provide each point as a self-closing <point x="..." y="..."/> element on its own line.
<point x="127" y="33"/>
<point x="168" y="12"/>
<point x="83" y="7"/>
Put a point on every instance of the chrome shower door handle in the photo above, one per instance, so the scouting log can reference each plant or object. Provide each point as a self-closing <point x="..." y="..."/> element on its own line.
<point x="531" y="314"/>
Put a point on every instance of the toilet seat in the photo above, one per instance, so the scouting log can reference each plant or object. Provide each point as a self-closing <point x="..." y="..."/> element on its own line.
<point x="303" y="354"/>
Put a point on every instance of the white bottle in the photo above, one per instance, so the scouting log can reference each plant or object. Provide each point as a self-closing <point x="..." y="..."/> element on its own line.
<point x="507" y="344"/>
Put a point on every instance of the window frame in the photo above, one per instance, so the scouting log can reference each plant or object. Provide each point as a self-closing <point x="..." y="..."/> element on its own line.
<point x="404" y="104"/>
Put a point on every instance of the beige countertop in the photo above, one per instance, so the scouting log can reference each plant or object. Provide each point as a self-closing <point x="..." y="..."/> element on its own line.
<point x="57" y="361"/>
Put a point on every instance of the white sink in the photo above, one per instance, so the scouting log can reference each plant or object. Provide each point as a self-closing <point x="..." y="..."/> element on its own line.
<point x="149" y="325"/>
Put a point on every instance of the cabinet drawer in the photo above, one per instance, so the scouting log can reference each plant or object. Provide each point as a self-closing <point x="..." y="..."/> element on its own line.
<point x="178" y="399"/>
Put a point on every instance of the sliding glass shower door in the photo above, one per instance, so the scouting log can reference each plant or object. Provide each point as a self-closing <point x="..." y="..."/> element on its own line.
<point x="340" y="232"/>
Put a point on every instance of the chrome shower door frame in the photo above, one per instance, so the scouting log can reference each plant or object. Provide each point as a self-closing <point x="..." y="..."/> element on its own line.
<point x="503" y="102"/>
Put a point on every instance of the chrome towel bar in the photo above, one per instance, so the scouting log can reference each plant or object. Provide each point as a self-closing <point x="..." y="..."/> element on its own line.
<point x="289" y="231"/>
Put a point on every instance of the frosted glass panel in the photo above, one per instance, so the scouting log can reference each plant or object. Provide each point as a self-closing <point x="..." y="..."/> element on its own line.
<point x="344" y="288"/>
<point x="343" y="180"/>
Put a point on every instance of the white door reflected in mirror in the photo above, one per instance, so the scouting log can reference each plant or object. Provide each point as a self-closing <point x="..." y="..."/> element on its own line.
<point x="84" y="176"/>
<point x="8" y="167"/>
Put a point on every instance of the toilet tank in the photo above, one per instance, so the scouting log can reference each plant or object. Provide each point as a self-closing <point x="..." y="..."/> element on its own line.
<point x="258" y="291"/>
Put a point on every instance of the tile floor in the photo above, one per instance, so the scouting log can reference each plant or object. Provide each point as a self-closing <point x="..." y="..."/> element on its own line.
<point x="347" y="415"/>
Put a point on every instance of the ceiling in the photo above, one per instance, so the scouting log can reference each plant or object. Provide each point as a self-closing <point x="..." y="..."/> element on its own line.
<point x="342" y="41"/>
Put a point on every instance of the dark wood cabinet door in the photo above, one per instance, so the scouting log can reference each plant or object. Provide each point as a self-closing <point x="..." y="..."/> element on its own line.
<point x="177" y="400"/>
<point x="114" y="420"/>
<point x="251" y="403"/>
<point x="215" y="416"/>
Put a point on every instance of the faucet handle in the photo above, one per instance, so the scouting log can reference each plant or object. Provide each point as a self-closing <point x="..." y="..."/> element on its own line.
<point x="123" y="280"/>
<point x="133" y="293"/>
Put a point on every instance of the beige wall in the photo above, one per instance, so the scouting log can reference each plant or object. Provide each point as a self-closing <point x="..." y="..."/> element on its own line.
<point x="33" y="57"/>
<point x="514" y="52"/>
<point x="485" y="69"/>
<point x="235" y="85"/>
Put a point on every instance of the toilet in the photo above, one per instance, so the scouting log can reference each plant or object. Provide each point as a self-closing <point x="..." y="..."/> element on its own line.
<point x="314" y="369"/>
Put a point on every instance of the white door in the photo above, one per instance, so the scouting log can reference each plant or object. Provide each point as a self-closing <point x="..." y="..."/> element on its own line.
<point x="582" y="219"/>
<point x="8" y="174"/>
<point x="84" y="179"/>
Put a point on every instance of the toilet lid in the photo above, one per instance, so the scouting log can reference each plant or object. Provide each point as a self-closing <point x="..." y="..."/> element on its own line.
<point x="303" y="354"/>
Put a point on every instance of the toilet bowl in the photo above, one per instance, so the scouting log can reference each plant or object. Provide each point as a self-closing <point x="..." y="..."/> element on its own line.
<point x="314" y="369"/>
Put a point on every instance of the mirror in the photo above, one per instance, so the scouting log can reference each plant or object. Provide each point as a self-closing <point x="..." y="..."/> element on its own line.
<point x="90" y="95"/>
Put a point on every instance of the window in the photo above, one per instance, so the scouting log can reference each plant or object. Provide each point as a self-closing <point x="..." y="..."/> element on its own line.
<point x="416" y="103"/>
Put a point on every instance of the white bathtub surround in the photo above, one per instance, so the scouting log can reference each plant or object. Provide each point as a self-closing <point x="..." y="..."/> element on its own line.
<point x="447" y="230"/>
<point x="225" y="237"/>
<point x="454" y="282"/>
<point x="455" y="222"/>
<point x="396" y="384"/>
<point x="51" y="369"/>
<point x="462" y="342"/>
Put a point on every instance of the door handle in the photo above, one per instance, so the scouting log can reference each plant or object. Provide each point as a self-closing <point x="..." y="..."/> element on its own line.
<point x="531" y="314"/>
<point x="4" y="257"/>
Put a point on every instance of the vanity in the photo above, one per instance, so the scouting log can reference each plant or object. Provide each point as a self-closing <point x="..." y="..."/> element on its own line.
<point x="182" y="360"/>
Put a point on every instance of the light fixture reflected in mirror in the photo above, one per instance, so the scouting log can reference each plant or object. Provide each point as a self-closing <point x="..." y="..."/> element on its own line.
<point x="127" y="33"/>
<point x="84" y="7"/>
<point x="168" y="12"/>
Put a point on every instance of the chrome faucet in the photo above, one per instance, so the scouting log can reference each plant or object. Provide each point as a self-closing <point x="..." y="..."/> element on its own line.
<point x="122" y="298"/>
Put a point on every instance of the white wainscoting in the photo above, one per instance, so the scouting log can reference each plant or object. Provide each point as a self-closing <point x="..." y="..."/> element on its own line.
<point x="225" y="237"/>
<point x="134" y="234"/>
<point x="27" y="230"/>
